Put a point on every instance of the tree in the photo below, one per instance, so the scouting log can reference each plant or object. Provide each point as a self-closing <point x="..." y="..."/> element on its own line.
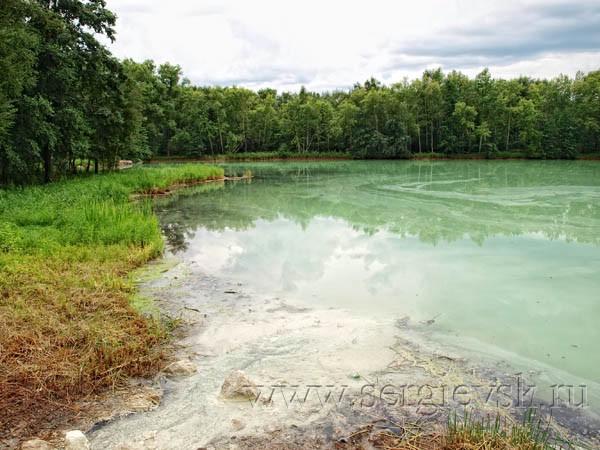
<point x="301" y="117"/>
<point x="586" y="90"/>
<point x="264" y="121"/>
<point x="508" y="97"/>
<point x="344" y="124"/>
<point x="526" y="117"/>
<point x="18" y="47"/>
<point x="456" y="88"/>
<point x="169" y="91"/>
<point x="431" y="97"/>
<point x="483" y="132"/>
<point x="465" y="116"/>
<point x="66" y="49"/>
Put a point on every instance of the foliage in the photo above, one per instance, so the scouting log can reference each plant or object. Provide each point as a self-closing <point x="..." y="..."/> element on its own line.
<point x="450" y="115"/>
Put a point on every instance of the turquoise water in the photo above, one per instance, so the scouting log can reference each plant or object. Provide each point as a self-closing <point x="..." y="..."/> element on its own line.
<point x="498" y="257"/>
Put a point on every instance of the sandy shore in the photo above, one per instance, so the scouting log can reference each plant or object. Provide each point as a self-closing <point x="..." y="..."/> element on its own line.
<point x="322" y="374"/>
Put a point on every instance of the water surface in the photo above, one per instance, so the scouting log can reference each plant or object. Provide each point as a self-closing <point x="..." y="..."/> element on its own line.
<point x="500" y="258"/>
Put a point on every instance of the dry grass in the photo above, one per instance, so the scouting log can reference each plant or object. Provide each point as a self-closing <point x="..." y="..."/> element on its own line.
<point x="468" y="432"/>
<point x="67" y="328"/>
<point x="384" y="435"/>
<point x="66" y="331"/>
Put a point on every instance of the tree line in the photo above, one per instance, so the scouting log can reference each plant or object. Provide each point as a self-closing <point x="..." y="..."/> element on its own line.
<point x="67" y="104"/>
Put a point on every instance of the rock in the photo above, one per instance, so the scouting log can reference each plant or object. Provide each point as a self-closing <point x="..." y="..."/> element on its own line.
<point x="237" y="385"/>
<point x="145" y="400"/>
<point x="402" y="321"/>
<point x="76" y="440"/>
<point x="182" y="368"/>
<point x="36" y="444"/>
<point x="237" y="425"/>
<point x="125" y="164"/>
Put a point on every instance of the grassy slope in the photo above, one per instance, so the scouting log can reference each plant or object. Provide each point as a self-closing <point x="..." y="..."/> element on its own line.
<point x="66" y="326"/>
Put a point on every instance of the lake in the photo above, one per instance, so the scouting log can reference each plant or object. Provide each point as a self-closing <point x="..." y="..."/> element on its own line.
<point x="443" y="277"/>
<point x="502" y="255"/>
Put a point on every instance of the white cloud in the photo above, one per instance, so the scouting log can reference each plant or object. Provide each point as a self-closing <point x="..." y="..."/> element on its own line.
<point x="333" y="44"/>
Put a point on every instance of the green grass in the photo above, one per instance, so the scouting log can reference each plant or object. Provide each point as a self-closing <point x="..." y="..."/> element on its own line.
<point x="515" y="154"/>
<point x="261" y="156"/>
<point x="489" y="433"/>
<point x="589" y="156"/>
<point x="67" y="325"/>
<point x="468" y="432"/>
<point x="429" y="155"/>
<point x="92" y="211"/>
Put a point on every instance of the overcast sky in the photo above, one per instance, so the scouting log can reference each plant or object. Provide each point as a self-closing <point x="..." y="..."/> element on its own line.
<point x="331" y="44"/>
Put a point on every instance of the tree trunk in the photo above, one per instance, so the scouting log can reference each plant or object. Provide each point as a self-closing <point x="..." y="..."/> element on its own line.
<point x="96" y="166"/>
<point x="306" y="144"/>
<point x="245" y="135"/>
<point x="3" y="171"/>
<point x="432" y="136"/>
<point x="47" y="164"/>
<point x="508" y="131"/>
<point x="221" y="135"/>
<point x="263" y="139"/>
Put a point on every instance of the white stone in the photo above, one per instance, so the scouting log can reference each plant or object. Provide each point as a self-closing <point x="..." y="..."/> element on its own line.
<point x="238" y="385"/>
<point x="76" y="440"/>
<point x="183" y="368"/>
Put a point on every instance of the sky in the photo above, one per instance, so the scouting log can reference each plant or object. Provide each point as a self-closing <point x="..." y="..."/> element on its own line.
<point x="332" y="44"/>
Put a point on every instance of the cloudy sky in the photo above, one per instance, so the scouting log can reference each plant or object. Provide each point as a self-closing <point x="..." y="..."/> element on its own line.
<point x="331" y="44"/>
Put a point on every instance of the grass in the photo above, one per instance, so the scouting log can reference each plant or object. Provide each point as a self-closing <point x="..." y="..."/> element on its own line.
<point x="490" y="434"/>
<point x="67" y="325"/>
<point x="589" y="156"/>
<point x="261" y="156"/>
<point x="468" y="432"/>
<point x="429" y="155"/>
<point x="469" y="156"/>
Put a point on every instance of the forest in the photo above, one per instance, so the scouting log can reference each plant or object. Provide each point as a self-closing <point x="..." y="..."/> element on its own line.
<point x="68" y="105"/>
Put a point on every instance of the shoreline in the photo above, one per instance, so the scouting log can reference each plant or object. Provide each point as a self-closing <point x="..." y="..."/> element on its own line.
<point x="416" y="157"/>
<point x="173" y="188"/>
<point x="208" y="304"/>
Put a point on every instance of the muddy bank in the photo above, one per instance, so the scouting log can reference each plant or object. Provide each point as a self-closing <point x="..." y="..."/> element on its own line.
<point x="322" y="374"/>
